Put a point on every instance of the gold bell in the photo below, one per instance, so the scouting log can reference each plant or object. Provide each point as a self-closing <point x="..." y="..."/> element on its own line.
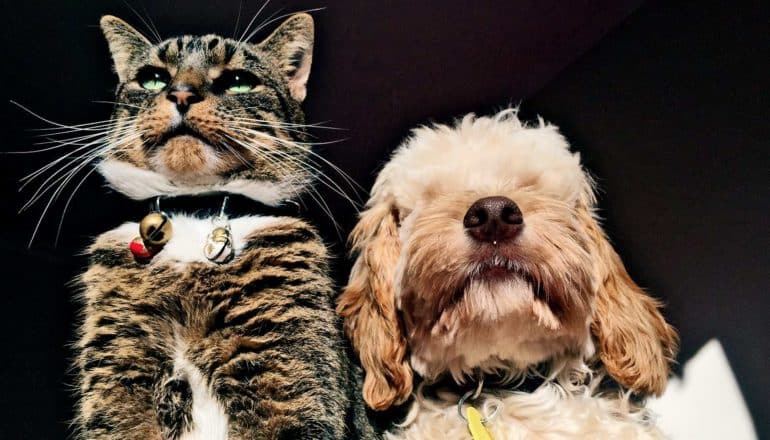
<point x="220" y="234"/>
<point x="219" y="247"/>
<point x="155" y="229"/>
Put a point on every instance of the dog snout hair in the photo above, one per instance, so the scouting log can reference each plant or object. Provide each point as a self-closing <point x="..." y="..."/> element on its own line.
<point x="494" y="219"/>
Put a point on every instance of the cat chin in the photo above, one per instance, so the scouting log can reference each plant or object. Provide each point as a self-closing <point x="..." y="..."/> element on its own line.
<point x="188" y="159"/>
<point x="139" y="184"/>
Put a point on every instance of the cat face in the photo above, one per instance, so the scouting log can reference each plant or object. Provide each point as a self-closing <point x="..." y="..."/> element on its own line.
<point x="197" y="114"/>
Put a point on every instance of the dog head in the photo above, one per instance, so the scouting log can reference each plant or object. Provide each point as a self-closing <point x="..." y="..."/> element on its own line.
<point x="479" y="249"/>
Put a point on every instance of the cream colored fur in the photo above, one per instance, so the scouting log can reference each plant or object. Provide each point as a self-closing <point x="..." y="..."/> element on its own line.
<point x="561" y="297"/>
<point x="480" y="157"/>
<point x="548" y="413"/>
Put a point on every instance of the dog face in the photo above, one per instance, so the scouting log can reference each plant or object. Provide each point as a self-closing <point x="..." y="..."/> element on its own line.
<point x="479" y="249"/>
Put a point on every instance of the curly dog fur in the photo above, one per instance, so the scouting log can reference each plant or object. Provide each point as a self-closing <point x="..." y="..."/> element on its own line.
<point x="432" y="296"/>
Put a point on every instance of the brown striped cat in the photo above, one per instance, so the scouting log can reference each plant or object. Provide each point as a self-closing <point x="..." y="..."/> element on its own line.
<point x="183" y="348"/>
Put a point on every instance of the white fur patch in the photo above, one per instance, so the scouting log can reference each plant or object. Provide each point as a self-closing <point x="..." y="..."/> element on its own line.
<point x="189" y="236"/>
<point x="209" y="420"/>
<point x="547" y="413"/>
<point x="139" y="184"/>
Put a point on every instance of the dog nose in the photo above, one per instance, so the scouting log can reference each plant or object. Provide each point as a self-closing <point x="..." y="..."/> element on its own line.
<point x="183" y="96"/>
<point x="494" y="219"/>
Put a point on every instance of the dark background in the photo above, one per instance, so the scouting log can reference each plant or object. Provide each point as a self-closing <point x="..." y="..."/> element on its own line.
<point x="666" y="101"/>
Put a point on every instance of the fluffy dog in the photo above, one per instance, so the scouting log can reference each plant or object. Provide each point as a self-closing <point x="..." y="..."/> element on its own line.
<point x="479" y="253"/>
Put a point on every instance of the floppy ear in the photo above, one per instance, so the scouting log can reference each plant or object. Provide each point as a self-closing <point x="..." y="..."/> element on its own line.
<point x="635" y="343"/>
<point x="291" y="45"/>
<point x="368" y="305"/>
<point x="127" y="45"/>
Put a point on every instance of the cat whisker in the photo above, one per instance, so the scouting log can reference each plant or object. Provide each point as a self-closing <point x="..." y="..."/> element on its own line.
<point x="33" y="175"/>
<point x="89" y="127"/>
<point x="322" y="177"/>
<point x="121" y="104"/>
<point x="59" y="143"/>
<point x="222" y="141"/>
<point x="325" y="208"/>
<point x="282" y="123"/>
<point x="237" y="19"/>
<point x="67" y="204"/>
<point x="272" y="20"/>
<point x="29" y="178"/>
<point x="283" y="157"/>
<point x="308" y="188"/>
<point x="291" y="144"/>
<point x="51" y="199"/>
<point x="288" y="129"/>
<point x="302" y="144"/>
<point x="261" y="154"/>
<point x="53" y="179"/>
<point x="147" y="22"/>
<point x="152" y="23"/>
<point x="100" y="139"/>
<point x="104" y="141"/>
<point x="253" y="19"/>
<point x="56" y="125"/>
<point x="63" y="180"/>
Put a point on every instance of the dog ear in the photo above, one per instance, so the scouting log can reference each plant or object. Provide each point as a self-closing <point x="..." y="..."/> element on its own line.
<point x="368" y="306"/>
<point x="635" y="343"/>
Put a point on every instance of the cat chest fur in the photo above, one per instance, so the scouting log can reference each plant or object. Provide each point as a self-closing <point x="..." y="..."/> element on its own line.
<point x="185" y="349"/>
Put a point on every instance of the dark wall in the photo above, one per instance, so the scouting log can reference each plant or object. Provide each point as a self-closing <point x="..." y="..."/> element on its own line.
<point x="666" y="110"/>
<point x="670" y="112"/>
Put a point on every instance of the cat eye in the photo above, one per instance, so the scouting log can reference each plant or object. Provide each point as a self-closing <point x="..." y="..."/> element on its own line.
<point x="236" y="81"/>
<point x="153" y="78"/>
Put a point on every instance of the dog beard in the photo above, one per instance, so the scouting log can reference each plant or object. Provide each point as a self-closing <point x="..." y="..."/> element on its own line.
<point x="467" y="304"/>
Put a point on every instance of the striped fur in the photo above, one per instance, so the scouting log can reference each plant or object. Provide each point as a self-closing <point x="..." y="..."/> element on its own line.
<point x="181" y="348"/>
<point x="259" y="334"/>
<point x="225" y="140"/>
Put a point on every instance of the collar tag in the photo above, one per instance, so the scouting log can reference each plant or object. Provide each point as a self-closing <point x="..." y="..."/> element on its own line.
<point x="476" y="425"/>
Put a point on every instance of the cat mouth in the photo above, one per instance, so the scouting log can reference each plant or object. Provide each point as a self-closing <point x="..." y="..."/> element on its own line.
<point x="180" y="131"/>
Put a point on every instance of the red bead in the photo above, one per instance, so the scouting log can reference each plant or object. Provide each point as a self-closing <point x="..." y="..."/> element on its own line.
<point x="139" y="250"/>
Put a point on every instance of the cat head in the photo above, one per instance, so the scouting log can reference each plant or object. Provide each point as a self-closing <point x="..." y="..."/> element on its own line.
<point x="198" y="114"/>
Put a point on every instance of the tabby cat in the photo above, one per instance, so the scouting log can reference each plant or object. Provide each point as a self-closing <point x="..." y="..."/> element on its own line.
<point x="181" y="347"/>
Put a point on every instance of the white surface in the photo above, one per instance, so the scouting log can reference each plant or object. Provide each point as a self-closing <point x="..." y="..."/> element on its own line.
<point x="706" y="402"/>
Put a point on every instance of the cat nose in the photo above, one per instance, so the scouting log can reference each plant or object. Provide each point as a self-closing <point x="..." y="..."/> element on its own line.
<point x="183" y="96"/>
<point x="493" y="219"/>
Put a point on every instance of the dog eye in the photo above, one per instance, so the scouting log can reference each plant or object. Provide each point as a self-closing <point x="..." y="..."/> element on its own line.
<point x="153" y="78"/>
<point x="236" y="81"/>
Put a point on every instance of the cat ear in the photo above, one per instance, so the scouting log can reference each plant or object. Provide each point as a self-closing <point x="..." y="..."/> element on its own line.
<point x="291" y="45"/>
<point x="127" y="45"/>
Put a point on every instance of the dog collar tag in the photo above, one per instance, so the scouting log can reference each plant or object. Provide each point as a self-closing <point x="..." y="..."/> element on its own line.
<point x="475" y="425"/>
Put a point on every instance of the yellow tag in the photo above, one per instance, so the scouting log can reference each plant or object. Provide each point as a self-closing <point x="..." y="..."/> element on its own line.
<point x="477" y="429"/>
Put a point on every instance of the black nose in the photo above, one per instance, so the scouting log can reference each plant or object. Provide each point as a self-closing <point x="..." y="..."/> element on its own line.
<point x="183" y="96"/>
<point x="494" y="219"/>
